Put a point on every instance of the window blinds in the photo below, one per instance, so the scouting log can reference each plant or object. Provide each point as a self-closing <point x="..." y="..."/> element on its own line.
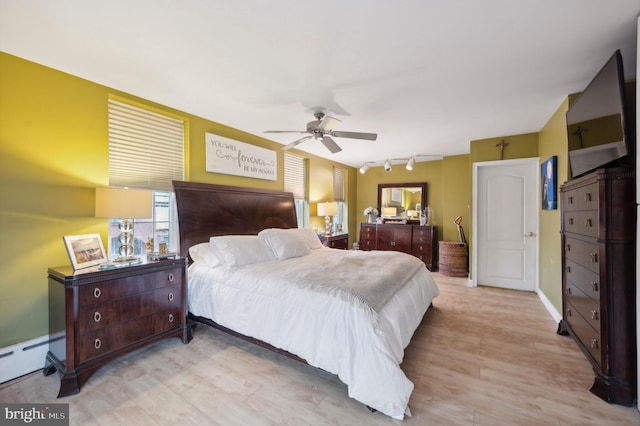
<point x="146" y="149"/>
<point x="295" y="176"/>
<point x="338" y="184"/>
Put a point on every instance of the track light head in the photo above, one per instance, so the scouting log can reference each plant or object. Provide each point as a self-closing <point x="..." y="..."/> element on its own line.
<point x="410" y="163"/>
<point x="387" y="166"/>
<point x="364" y="168"/>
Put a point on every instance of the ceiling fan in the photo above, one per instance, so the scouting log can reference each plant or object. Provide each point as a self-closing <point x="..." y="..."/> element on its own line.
<point x="322" y="128"/>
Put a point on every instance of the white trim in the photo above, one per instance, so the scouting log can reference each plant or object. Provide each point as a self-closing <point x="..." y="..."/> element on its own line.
<point x="550" y="308"/>
<point x="23" y="358"/>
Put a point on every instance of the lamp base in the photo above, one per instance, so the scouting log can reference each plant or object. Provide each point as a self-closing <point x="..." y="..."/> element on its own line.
<point x="327" y="226"/>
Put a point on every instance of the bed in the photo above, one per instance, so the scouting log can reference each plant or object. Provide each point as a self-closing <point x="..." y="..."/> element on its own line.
<point x="255" y="275"/>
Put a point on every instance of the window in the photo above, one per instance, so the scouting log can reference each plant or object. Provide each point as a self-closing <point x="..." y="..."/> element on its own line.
<point x="295" y="181"/>
<point x="338" y="196"/>
<point x="146" y="151"/>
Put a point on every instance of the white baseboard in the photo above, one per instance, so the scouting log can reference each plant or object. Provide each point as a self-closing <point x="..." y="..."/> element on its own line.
<point x="23" y="358"/>
<point x="550" y="308"/>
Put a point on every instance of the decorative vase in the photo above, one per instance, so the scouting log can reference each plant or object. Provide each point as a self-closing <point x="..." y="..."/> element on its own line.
<point x="371" y="219"/>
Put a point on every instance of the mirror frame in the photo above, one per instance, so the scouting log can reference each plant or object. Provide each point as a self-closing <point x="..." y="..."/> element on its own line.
<point x="421" y="185"/>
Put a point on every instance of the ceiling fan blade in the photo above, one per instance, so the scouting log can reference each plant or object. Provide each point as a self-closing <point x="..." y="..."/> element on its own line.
<point x="285" y="131"/>
<point x="294" y="143"/>
<point x="355" y="135"/>
<point x="331" y="144"/>
<point x="328" y="123"/>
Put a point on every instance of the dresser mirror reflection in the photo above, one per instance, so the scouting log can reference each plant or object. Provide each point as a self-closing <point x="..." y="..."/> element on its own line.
<point x="399" y="201"/>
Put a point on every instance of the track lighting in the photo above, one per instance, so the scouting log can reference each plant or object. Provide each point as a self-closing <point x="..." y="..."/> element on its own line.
<point x="364" y="168"/>
<point x="387" y="166"/>
<point x="410" y="163"/>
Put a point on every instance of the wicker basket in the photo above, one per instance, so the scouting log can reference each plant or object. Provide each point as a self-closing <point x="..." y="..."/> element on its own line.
<point x="453" y="259"/>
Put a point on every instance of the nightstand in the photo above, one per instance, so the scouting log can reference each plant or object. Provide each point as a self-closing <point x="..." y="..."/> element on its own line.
<point x="340" y="241"/>
<point x="97" y="315"/>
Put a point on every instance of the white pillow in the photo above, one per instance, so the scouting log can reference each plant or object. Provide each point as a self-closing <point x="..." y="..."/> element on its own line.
<point x="205" y="252"/>
<point x="285" y="244"/>
<point x="309" y="237"/>
<point x="238" y="250"/>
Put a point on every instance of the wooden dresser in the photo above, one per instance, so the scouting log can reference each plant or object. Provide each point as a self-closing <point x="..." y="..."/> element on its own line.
<point x="419" y="241"/>
<point x="598" y="279"/>
<point x="340" y="241"/>
<point x="95" y="316"/>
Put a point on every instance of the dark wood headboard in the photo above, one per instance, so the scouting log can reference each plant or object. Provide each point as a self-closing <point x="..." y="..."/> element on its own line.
<point x="207" y="210"/>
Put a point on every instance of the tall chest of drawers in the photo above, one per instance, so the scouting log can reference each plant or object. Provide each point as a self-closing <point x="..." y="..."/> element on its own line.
<point x="97" y="315"/>
<point x="598" y="279"/>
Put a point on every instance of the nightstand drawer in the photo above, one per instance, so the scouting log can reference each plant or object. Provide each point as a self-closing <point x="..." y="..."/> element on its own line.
<point x="119" y="335"/>
<point x="101" y="315"/>
<point x="128" y="285"/>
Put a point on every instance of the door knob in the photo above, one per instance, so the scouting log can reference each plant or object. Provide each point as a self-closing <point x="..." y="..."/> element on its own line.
<point x="530" y="234"/>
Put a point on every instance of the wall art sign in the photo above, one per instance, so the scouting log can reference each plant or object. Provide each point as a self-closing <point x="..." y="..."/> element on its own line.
<point x="231" y="157"/>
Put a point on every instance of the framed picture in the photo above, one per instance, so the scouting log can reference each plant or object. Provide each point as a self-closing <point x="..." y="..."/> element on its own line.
<point x="549" y="171"/>
<point x="85" y="250"/>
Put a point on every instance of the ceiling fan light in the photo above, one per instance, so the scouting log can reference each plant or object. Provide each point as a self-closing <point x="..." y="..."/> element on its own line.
<point x="410" y="163"/>
<point x="364" y="168"/>
<point x="387" y="166"/>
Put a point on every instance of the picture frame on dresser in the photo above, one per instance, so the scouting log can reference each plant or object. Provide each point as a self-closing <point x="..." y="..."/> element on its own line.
<point x="85" y="250"/>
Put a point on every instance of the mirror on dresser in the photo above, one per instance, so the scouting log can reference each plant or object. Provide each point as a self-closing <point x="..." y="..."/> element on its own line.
<point x="399" y="201"/>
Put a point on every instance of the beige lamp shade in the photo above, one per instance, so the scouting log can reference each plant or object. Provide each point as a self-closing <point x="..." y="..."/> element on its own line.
<point x="389" y="211"/>
<point x="327" y="209"/>
<point x="117" y="203"/>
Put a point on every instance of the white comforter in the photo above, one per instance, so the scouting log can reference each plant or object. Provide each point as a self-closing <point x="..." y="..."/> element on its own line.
<point x="364" y="349"/>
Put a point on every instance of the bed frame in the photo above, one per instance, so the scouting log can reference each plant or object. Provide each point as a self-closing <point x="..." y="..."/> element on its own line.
<point x="208" y="210"/>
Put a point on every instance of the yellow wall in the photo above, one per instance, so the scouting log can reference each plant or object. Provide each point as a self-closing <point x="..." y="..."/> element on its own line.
<point x="553" y="141"/>
<point x="53" y="153"/>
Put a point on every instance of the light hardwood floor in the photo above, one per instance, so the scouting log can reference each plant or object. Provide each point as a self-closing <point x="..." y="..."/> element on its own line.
<point x="482" y="356"/>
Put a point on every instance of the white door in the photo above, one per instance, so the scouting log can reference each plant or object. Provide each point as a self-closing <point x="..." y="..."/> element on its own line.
<point x="506" y="224"/>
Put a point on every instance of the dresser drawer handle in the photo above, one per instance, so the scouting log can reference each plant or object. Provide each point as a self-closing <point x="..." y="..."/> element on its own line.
<point x="97" y="343"/>
<point x="594" y="315"/>
<point x="170" y="317"/>
<point x="594" y="257"/>
<point x="97" y="316"/>
<point x="571" y="221"/>
<point x="170" y="297"/>
<point x="594" y="343"/>
<point x="568" y="247"/>
<point x="569" y="292"/>
<point x="170" y="278"/>
<point x="587" y="197"/>
<point x="97" y="292"/>
<point x="568" y="269"/>
<point x="569" y="313"/>
<point x="570" y="200"/>
<point x="587" y="223"/>
<point x="594" y="286"/>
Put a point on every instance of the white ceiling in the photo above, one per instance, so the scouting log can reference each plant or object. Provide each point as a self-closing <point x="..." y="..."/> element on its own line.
<point x="427" y="75"/>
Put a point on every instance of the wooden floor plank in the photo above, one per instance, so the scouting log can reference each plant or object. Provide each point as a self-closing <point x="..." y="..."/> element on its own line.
<point x="482" y="356"/>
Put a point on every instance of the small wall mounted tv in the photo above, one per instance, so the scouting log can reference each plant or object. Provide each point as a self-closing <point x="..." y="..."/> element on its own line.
<point x="596" y="124"/>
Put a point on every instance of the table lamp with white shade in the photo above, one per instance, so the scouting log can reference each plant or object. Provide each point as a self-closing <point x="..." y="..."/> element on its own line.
<point x="327" y="210"/>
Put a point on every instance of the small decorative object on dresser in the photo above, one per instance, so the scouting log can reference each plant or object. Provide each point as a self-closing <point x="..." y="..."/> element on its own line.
<point x="599" y="277"/>
<point x="97" y="315"/>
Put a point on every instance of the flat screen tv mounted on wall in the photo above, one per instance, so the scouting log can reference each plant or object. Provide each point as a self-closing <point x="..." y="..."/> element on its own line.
<point x="596" y="125"/>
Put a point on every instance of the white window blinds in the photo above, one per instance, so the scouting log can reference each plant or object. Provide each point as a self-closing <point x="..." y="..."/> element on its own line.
<point x="338" y="184"/>
<point x="295" y="176"/>
<point x="146" y="149"/>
